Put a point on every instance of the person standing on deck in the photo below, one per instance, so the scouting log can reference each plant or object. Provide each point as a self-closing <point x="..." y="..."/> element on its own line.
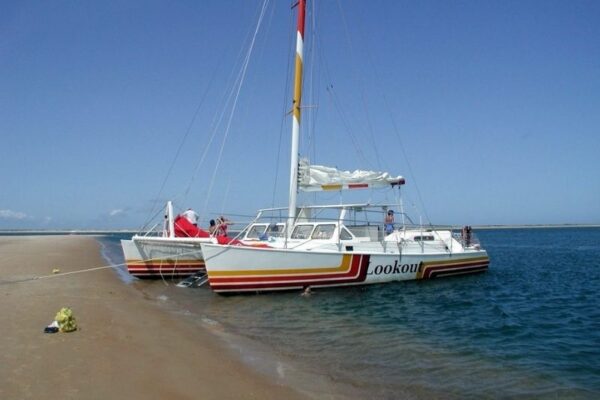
<point x="389" y="222"/>
<point x="222" y="226"/>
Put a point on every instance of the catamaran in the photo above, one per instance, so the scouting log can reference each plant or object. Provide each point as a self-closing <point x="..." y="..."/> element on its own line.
<point x="172" y="252"/>
<point x="339" y="244"/>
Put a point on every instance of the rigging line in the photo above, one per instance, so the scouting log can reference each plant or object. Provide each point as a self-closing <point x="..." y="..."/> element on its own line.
<point x="225" y="196"/>
<point x="143" y="228"/>
<point x="345" y="122"/>
<point x="377" y="82"/>
<point x="336" y="103"/>
<point x="234" y="105"/>
<point x="262" y="48"/>
<point x="314" y="82"/>
<point x="312" y="76"/>
<point x="307" y="95"/>
<point x="187" y="132"/>
<point x="284" y="106"/>
<point x="215" y="125"/>
<point x="362" y="85"/>
<point x="218" y="118"/>
<point x="216" y="122"/>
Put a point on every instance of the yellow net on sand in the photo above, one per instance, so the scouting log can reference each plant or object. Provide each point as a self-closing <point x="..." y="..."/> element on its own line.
<point x="66" y="320"/>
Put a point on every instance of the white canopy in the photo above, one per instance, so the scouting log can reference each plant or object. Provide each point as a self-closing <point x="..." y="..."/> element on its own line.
<point x="312" y="178"/>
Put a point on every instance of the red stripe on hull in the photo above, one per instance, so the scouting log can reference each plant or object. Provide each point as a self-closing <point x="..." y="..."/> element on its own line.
<point x="151" y="271"/>
<point x="463" y="271"/>
<point x="160" y="276"/>
<point x="357" y="273"/>
<point x="458" y="269"/>
<point x="352" y="272"/>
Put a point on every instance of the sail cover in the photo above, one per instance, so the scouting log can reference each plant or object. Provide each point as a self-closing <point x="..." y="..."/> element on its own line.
<point x="313" y="178"/>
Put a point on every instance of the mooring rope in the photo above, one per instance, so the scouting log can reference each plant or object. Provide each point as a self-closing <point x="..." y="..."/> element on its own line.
<point x="62" y="274"/>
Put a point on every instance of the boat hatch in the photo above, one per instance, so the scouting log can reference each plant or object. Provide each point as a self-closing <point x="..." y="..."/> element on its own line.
<point x="423" y="238"/>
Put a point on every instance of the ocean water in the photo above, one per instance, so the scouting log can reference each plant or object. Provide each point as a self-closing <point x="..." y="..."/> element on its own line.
<point x="527" y="328"/>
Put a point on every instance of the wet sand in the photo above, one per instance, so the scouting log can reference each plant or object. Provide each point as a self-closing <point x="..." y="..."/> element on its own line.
<point x="126" y="346"/>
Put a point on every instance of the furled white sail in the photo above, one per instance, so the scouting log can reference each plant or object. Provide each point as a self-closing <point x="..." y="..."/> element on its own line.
<point x="312" y="178"/>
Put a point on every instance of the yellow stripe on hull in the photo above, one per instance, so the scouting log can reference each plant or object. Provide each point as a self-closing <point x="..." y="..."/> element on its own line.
<point x="344" y="266"/>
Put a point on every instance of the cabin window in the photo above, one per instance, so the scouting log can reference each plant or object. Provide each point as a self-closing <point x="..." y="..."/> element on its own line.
<point x="256" y="231"/>
<point x="302" y="232"/>
<point x="422" y="238"/>
<point x="345" y="234"/>
<point x="323" y="231"/>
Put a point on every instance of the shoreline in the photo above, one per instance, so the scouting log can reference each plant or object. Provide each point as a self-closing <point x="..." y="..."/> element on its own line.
<point x="127" y="346"/>
<point x="536" y="226"/>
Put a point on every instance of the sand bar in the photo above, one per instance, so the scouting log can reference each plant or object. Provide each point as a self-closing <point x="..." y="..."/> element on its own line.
<point x="126" y="346"/>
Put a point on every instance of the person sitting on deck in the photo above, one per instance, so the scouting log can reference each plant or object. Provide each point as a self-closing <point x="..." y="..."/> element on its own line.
<point x="272" y="230"/>
<point x="184" y="228"/>
<point x="212" y="228"/>
<point x="191" y="216"/>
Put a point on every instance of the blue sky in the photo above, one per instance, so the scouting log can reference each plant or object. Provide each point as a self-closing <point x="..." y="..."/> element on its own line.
<point x="490" y="109"/>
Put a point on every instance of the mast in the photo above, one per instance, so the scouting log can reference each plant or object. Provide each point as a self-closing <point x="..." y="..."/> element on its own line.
<point x="296" y="104"/>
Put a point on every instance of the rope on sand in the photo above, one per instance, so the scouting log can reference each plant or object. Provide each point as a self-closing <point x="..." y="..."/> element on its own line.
<point x="35" y="278"/>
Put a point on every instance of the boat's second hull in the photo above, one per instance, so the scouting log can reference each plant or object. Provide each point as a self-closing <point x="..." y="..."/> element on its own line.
<point x="239" y="269"/>
<point x="162" y="257"/>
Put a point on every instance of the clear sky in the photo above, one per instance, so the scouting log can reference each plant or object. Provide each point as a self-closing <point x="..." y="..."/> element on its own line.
<point x="490" y="109"/>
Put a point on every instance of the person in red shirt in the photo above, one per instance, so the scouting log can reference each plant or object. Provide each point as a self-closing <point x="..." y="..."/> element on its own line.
<point x="222" y="224"/>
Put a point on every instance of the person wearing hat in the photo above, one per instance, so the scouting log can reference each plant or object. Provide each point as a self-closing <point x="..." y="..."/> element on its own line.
<point x="191" y="216"/>
<point x="389" y="222"/>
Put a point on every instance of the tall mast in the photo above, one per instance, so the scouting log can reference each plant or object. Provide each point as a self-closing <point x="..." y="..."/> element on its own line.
<point x="297" y="101"/>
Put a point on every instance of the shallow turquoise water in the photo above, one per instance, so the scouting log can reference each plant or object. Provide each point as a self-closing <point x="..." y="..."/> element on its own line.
<point x="528" y="328"/>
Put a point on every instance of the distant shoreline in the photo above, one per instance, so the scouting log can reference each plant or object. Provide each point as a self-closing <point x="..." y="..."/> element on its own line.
<point x="65" y="231"/>
<point x="536" y="226"/>
<point x="134" y="231"/>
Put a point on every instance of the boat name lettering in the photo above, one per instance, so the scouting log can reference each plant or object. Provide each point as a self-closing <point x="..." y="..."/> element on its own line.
<point x="394" y="269"/>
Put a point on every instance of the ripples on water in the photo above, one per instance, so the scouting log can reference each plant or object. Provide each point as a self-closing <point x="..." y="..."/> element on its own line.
<point x="529" y="327"/>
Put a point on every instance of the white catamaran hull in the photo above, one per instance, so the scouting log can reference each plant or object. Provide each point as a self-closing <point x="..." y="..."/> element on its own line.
<point x="156" y="257"/>
<point x="238" y="268"/>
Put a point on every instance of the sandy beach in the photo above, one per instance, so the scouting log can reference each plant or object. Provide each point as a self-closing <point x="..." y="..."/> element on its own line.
<point x="125" y="347"/>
